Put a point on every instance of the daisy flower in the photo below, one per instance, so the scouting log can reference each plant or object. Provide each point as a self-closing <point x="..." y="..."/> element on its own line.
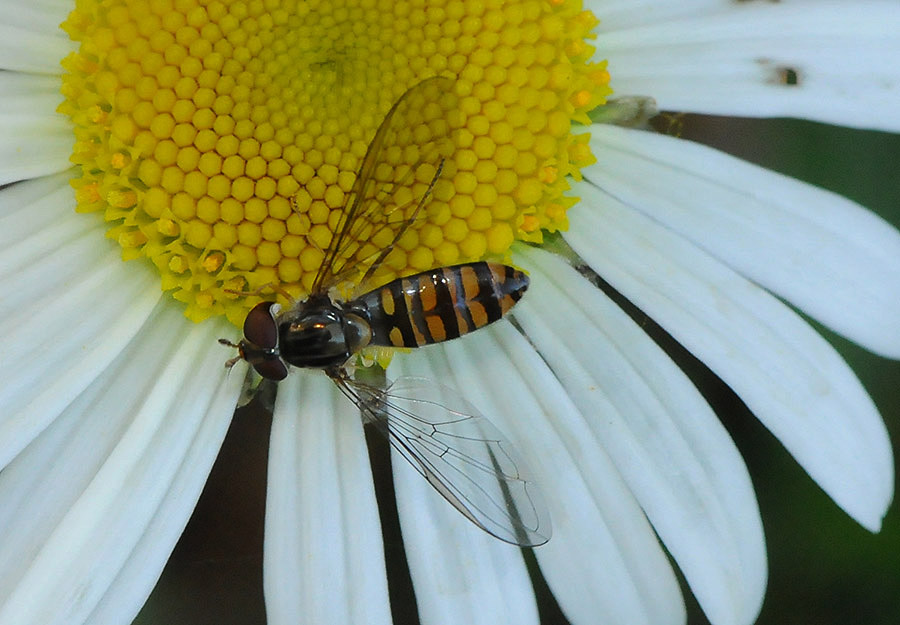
<point x="209" y="146"/>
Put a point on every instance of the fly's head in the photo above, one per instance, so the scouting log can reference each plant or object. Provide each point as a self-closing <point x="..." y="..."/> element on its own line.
<point x="261" y="343"/>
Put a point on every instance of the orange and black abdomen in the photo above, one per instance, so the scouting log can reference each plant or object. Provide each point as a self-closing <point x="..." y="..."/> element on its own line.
<point x="441" y="304"/>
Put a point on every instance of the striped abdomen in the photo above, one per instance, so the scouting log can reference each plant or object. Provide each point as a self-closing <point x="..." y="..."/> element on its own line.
<point x="441" y="304"/>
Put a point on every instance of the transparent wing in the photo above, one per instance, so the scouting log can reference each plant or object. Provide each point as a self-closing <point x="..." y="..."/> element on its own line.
<point x="459" y="452"/>
<point x="393" y="183"/>
<point x="256" y="387"/>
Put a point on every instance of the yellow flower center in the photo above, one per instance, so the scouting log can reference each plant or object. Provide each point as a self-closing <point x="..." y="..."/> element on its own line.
<point x="220" y="139"/>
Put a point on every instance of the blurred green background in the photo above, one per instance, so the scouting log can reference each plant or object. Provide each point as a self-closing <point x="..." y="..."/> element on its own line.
<point x="823" y="568"/>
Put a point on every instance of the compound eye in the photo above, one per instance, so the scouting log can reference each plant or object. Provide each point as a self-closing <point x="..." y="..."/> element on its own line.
<point x="260" y="327"/>
<point x="273" y="369"/>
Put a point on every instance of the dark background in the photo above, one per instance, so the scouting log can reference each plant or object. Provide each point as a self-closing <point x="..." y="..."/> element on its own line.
<point x="824" y="569"/>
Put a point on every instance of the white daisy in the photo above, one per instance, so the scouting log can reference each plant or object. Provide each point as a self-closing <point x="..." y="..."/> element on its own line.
<point x="114" y="404"/>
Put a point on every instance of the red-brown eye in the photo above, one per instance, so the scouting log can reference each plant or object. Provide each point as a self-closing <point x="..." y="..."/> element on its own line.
<point x="260" y="327"/>
<point x="273" y="369"/>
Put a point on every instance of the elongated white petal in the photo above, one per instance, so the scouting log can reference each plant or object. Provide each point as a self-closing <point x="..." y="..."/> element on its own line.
<point x="29" y="206"/>
<point x="39" y="16"/>
<point x="36" y="140"/>
<point x="616" y="15"/>
<point x="46" y="370"/>
<point x="790" y="377"/>
<point x="837" y="261"/>
<point x="145" y="563"/>
<point x="741" y="58"/>
<point x="460" y="573"/>
<point x="30" y="37"/>
<point x="57" y="271"/>
<point x="603" y="561"/>
<point x="32" y="145"/>
<point x="114" y="477"/>
<point x="41" y="264"/>
<point x="32" y="95"/>
<point x="668" y="444"/>
<point x="324" y="560"/>
<point x="36" y="222"/>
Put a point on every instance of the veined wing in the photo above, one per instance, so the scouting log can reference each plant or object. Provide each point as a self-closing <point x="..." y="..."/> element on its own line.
<point x="393" y="183"/>
<point x="459" y="452"/>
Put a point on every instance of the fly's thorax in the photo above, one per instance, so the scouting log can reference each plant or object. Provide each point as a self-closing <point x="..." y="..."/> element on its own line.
<point x="358" y="330"/>
<point x="320" y="334"/>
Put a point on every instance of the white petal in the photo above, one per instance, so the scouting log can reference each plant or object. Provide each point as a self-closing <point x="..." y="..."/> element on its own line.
<point x="668" y="444"/>
<point x="114" y="478"/>
<point x="30" y="37"/>
<point x="137" y="578"/>
<point x="460" y="573"/>
<point x="37" y="218"/>
<point x="36" y="139"/>
<point x="40" y="16"/>
<point x="29" y="206"/>
<point x="790" y="377"/>
<point x="832" y="258"/>
<point x="77" y="306"/>
<point x="324" y="559"/>
<point x="32" y="95"/>
<point x="618" y="15"/>
<point x="732" y="60"/>
<point x="34" y="145"/>
<point x="603" y="562"/>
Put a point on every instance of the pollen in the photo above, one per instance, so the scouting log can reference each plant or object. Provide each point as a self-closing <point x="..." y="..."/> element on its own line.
<point x="220" y="140"/>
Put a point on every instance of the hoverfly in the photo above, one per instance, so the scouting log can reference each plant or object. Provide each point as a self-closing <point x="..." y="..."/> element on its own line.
<point x="444" y="438"/>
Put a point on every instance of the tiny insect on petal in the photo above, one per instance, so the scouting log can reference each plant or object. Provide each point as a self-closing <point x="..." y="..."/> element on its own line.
<point x="445" y="439"/>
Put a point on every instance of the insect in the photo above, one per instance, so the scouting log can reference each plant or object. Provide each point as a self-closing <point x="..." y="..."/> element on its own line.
<point x="444" y="438"/>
